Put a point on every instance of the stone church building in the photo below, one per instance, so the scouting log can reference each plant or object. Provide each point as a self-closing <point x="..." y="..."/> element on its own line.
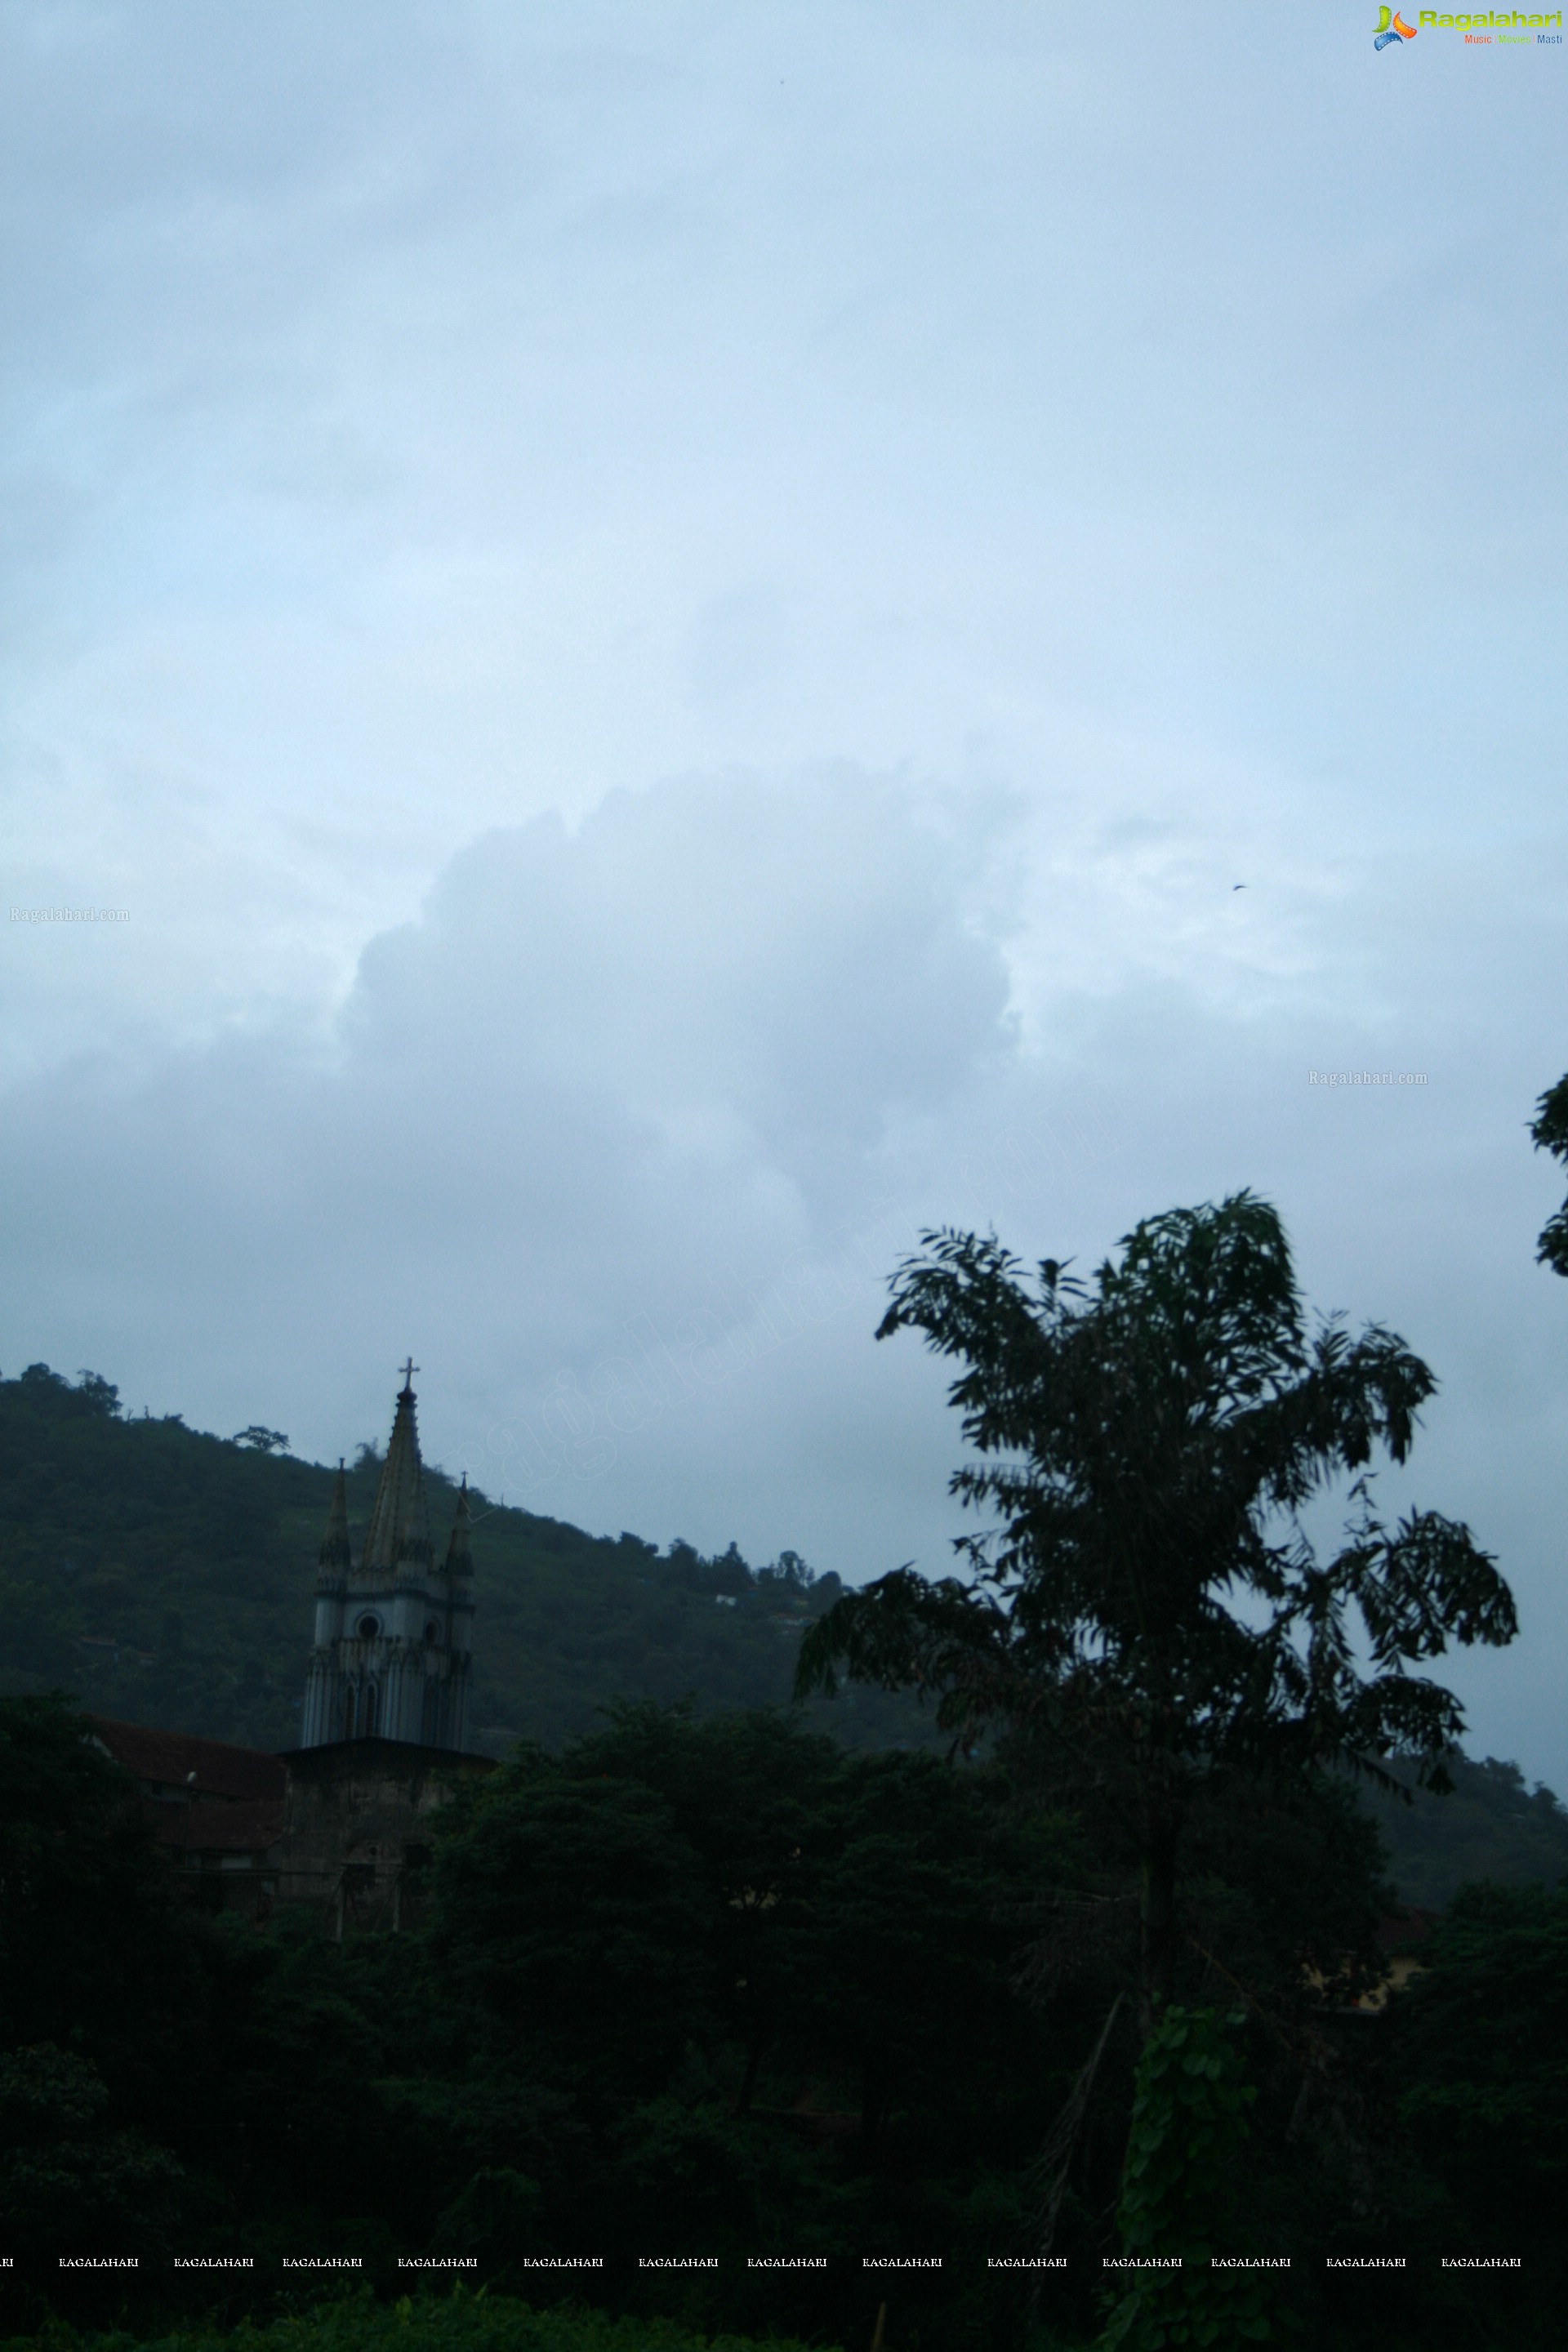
<point x="342" y="1821"/>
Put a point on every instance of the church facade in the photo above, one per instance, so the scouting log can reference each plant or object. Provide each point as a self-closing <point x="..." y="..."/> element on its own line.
<point x="344" y="1822"/>
<point x="393" y="1657"/>
<point x="384" y="1739"/>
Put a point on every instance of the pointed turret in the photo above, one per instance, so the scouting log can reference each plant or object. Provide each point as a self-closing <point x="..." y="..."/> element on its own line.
<point x="459" y="1546"/>
<point x="392" y="1659"/>
<point x="333" y="1555"/>
<point x="398" y="1536"/>
<point x="331" y="1585"/>
<point x="449" y="1717"/>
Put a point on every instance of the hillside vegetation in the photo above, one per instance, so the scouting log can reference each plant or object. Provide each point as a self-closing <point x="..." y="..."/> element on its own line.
<point x="1490" y="1826"/>
<point x="166" y="1575"/>
<point x="461" y="2322"/>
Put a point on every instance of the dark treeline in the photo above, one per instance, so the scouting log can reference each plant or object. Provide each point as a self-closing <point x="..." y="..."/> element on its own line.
<point x="1101" y="1978"/>
<point x="715" y="1985"/>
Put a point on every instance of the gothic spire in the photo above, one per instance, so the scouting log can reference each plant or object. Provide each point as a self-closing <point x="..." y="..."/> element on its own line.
<point x="459" y="1550"/>
<point x="398" y="1534"/>
<point x="335" y="1552"/>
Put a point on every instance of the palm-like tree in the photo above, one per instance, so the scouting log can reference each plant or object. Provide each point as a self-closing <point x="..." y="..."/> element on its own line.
<point x="1147" y="1441"/>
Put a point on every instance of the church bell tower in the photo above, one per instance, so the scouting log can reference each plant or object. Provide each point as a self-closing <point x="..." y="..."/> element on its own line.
<point x="393" y="1656"/>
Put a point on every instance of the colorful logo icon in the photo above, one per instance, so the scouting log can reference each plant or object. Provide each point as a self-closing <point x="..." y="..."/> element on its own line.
<point x="1391" y="26"/>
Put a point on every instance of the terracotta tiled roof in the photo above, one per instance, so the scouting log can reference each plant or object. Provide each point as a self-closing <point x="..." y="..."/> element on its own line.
<point x="249" y="1826"/>
<point x="1405" y="1931"/>
<point x="169" y="1758"/>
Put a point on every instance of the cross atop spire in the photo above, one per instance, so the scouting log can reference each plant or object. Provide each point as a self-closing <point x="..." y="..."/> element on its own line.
<point x="409" y="1369"/>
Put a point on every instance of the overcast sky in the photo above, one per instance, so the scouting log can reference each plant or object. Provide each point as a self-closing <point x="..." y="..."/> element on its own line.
<point x="673" y="626"/>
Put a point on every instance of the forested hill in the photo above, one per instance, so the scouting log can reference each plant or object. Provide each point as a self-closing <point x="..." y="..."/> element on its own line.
<point x="1490" y="1826"/>
<point x="167" y="1577"/>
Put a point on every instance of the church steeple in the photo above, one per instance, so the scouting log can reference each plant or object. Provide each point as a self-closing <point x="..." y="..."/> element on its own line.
<point x="393" y="1657"/>
<point x="398" y="1536"/>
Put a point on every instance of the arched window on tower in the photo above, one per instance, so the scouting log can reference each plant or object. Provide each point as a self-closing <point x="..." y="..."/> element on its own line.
<point x="367" y="1713"/>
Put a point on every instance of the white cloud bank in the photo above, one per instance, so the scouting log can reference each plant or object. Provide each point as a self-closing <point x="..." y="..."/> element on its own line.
<point x="623" y="1133"/>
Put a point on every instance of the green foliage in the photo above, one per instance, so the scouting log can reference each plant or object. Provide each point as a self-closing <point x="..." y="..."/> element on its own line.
<point x="676" y="1882"/>
<point x="1147" y="1442"/>
<point x="1488" y="1825"/>
<point x="1549" y="1131"/>
<point x="1480" y="2059"/>
<point x="575" y="1910"/>
<point x="714" y="1982"/>
<point x="694" y="1974"/>
<point x="771" y="1989"/>
<point x="1189" y="2122"/>
<point x="707" y="1977"/>
<point x="92" y="1944"/>
<point x="1149" y="1436"/>
<point x="166" y="1577"/>
<point x="66" y="2180"/>
<point x="458" y="2323"/>
<point x="1285" y="1882"/>
<point x="163" y="1575"/>
<point x="47" y="2095"/>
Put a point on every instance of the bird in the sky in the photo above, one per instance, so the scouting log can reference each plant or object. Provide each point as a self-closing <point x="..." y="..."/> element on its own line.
<point x="1239" y="886"/>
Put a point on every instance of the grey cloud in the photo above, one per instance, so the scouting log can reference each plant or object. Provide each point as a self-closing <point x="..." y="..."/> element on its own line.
<point x="792" y="965"/>
<point x="641" y="1069"/>
<point x="624" y="1132"/>
<point x="427" y="427"/>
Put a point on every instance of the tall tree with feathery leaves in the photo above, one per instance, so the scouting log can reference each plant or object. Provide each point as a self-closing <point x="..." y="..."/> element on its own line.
<point x="1549" y="1132"/>
<point x="1148" y="1440"/>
